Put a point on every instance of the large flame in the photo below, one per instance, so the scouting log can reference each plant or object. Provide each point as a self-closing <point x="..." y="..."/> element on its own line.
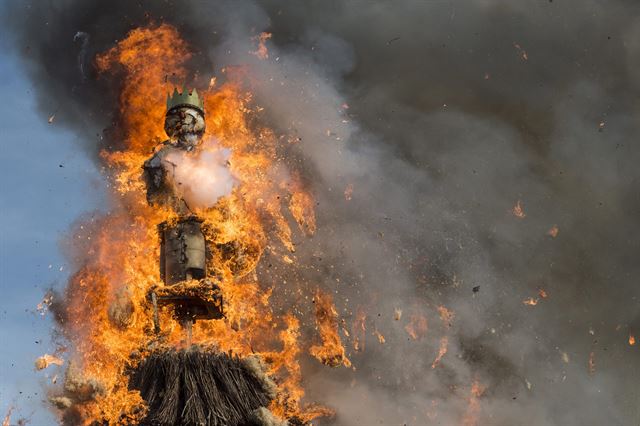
<point x="107" y="318"/>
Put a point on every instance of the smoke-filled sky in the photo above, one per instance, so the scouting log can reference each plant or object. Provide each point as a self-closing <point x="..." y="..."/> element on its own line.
<point x="441" y="117"/>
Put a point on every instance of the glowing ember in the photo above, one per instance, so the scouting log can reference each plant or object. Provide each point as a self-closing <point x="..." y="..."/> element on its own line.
<point x="446" y="316"/>
<point x="417" y="327"/>
<point x="518" y="211"/>
<point x="592" y="363"/>
<point x="262" y="51"/>
<point x="397" y="314"/>
<point x="358" y="329"/>
<point x="348" y="192"/>
<point x="553" y="231"/>
<point x="530" y="301"/>
<point x="473" y="409"/>
<point x="542" y="293"/>
<point x="632" y="340"/>
<point x="442" y="350"/>
<point x="523" y="53"/>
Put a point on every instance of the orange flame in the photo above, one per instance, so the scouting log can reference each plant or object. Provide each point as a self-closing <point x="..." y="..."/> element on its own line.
<point x="262" y="52"/>
<point x="446" y="316"/>
<point x="473" y="409"/>
<point x="442" y="350"/>
<point x="358" y="329"/>
<point x="46" y="360"/>
<point x="417" y="327"/>
<point x="331" y="352"/>
<point x="518" y="210"/>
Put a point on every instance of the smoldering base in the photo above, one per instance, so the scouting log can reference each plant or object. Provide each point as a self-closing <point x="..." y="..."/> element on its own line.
<point x="447" y="127"/>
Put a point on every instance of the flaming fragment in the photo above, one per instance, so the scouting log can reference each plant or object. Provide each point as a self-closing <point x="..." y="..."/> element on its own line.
<point x="417" y="327"/>
<point x="358" y="329"/>
<point x="518" y="210"/>
<point x="530" y="301"/>
<point x="446" y="316"/>
<point x="473" y="409"/>
<point x="46" y="360"/>
<point x="43" y="306"/>
<point x="442" y="350"/>
<point x="348" y="192"/>
<point x="331" y="352"/>
<point x="632" y="340"/>
<point x="7" y="417"/>
<point x="262" y="52"/>
<point x="301" y="207"/>
<point x="521" y="51"/>
<point x="397" y="314"/>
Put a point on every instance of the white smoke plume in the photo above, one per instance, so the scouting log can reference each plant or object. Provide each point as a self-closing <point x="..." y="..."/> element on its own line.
<point x="201" y="177"/>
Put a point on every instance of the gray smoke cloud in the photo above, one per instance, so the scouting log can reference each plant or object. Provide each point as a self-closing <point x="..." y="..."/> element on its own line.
<point x="440" y="116"/>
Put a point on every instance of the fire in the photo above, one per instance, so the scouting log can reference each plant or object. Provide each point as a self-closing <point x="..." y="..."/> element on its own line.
<point x="262" y="51"/>
<point x="331" y="352"/>
<point x="473" y="409"/>
<point x="446" y="316"/>
<point x="632" y="340"/>
<point x="107" y="316"/>
<point x="7" y="418"/>
<point x="358" y="330"/>
<point x="46" y="360"/>
<point x="442" y="350"/>
<point x="348" y="192"/>
<point x="417" y="327"/>
<point x="592" y="363"/>
<point x="518" y="210"/>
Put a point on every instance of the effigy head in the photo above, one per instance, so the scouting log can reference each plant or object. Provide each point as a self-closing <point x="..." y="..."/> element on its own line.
<point x="184" y="121"/>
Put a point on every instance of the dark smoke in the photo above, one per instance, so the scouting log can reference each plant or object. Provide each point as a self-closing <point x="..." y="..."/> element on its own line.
<point x="457" y="110"/>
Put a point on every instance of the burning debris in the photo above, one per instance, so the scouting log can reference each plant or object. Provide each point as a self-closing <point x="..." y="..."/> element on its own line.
<point x="518" y="210"/>
<point x="553" y="231"/>
<point x="46" y="360"/>
<point x="331" y="351"/>
<point x="417" y="327"/>
<point x="262" y="52"/>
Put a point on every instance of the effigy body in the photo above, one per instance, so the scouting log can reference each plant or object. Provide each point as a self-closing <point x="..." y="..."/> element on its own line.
<point x="183" y="246"/>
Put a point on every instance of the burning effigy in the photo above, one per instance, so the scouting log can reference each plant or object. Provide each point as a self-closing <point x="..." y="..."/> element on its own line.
<point x="165" y="319"/>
